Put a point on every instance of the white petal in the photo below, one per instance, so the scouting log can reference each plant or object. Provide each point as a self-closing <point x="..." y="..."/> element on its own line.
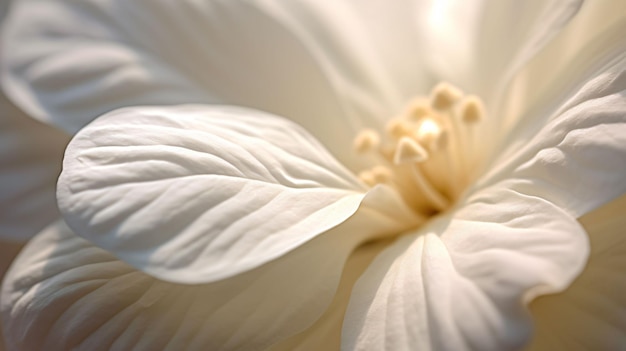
<point x="589" y="315"/>
<point x="325" y="334"/>
<point x="198" y="193"/>
<point x="30" y="162"/>
<point x="593" y="37"/>
<point x="334" y="68"/>
<point x="461" y="282"/>
<point x="64" y="293"/>
<point x="480" y="44"/>
<point x="572" y="151"/>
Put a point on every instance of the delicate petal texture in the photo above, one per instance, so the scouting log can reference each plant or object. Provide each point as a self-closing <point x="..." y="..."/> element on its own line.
<point x="591" y="313"/>
<point x="63" y="293"/>
<point x="592" y="37"/>
<point x="573" y="152"/>
<point x="461" y="282"/>
<point x="325" y="334"/>
<point x="332" y="67"/>
<point x="197" y="193"/>
<point x="479" y="44"/>
<point x="30" y="162"/>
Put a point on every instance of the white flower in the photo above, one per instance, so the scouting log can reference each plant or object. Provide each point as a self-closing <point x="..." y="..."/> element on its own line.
<point x="238" y="223"/>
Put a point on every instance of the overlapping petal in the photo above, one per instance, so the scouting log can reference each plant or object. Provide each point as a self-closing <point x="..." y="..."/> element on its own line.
<point x="589" y="315"/>
<point x="325" y="334"/>
<point x="572" y="151"/>
<point x="480" y="44"/>
<point x="198" y="193"/>
<point x="334" y="68"/>
<point x="461" y="283"/>
<point x="30" y="161"/>
<point x="64" y="293"/>
<point x="592" y="38"/>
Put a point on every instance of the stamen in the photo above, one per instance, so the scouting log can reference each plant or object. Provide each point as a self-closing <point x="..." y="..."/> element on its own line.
<point x="367" y="140"/>
<point x="433" y="196"/>
<point x="444" y="96"/>
<point x="367" y="177"/>
<point x="441" y="142"/>
<point x="423" y="153"/>
<point x="430" y="134"/>
<point x="397" y="128"/>
<point x="376" y="175"/>
<point x="472" y="110"/>
<point x="418" y="109"/>
<point x="409" y="151"/>
<point x="381" y="174"/>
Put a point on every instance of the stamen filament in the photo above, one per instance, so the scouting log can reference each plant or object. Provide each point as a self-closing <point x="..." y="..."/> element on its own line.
<point x="428" y="152"/>
<point x="434" y="197"/>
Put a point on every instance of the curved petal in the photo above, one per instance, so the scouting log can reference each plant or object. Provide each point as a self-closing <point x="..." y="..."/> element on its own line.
<point x="325" y="334"/>
<point x="480" y="44"/>
<point x="461" y="283"/>
<point x="30" y="162"/>
<point x="589" y="315"/>
<point x="334" y="68"/>
<point x="591" y="38"/>
<point x="63" y="293"/>
<point x="198" y="193"/>
<point x="572" y="152"/>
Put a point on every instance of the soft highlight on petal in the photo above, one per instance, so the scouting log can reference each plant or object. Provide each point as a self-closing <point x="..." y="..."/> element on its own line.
<point x="462" y="281"/>
<point x="325" y="334"/>
<point x="64" y="293"/>
<point x="198" y="193"/>
<point x="572" y="152"/>
<point x="591" y="313"/>
<point x="480" y="45"/>
<point x="332" y="67"/>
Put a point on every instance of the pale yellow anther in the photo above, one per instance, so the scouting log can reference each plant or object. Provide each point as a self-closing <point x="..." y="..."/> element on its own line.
<point x="472" y="110"/>
<point x="377" y="175"/>
<point x="418" y="109"/>
<point x="397" y="128"/>
<point x="421" y="152"/>
<point x="428" y="129"/>
<point x="366" y="140"/>
<point x="381" y="174"/>
<point x="367" y="177"/>
<point x="409" y="151"/>
<point x="430" y="134"/>
<point x="444" y="95"/>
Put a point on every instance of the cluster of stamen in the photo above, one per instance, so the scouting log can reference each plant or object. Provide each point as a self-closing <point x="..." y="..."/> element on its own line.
<point x="421" y="152"/>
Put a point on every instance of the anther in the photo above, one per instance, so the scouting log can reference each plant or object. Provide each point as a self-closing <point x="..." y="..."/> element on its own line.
<point x="366" y="140"/>
<point x="472" y="110"/>
<point x="409" y="151"/>
<point x="397" y="128"/>
<point x="429" y="133"/>
<point x="376" y="175"/>
<point x="444" y="95"/>
<point x="418" y="109"/>
<point x="381" y="174"/>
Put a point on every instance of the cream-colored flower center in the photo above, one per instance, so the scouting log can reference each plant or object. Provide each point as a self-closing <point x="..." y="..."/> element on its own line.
<point x="425" y="153"/>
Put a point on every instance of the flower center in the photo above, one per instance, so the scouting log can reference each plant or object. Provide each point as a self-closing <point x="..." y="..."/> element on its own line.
<point x="428" y="152"/>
